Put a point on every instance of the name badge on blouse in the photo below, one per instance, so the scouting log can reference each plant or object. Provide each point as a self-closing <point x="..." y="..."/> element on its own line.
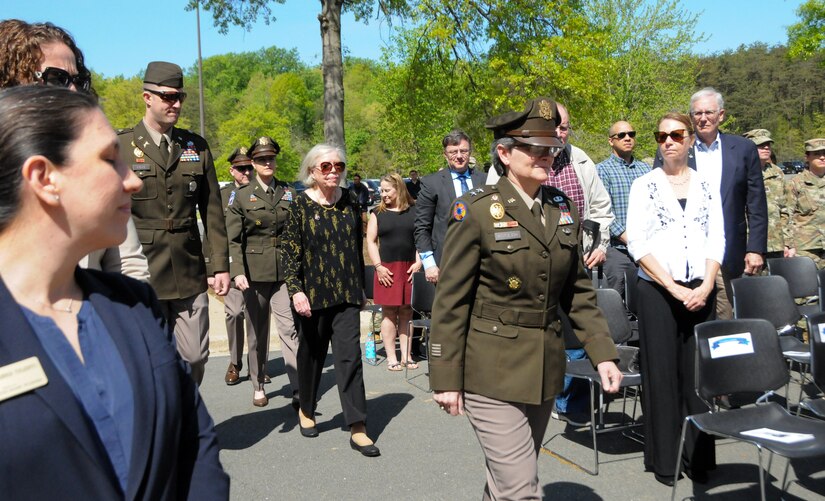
<point x="21" y="377"/>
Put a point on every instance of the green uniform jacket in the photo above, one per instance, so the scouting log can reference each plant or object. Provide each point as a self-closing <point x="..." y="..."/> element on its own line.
<point x="164" y="210"/>
<point x="774" y="180"/>
<point x="254" y="224"/>
<point x="805" y="196"/>
<point x="495" y="325"/>
<point x="226" y="194"/>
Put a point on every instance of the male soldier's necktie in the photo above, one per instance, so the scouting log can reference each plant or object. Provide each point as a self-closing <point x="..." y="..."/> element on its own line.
<point x="462" y="178"/>
<point x="164" y="150"/>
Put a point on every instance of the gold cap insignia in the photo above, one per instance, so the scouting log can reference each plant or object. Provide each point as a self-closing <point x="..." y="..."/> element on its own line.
<point x="514" y="283"/>
<point x="497" y="211"/>
<point x="242" y="150"/>
<point x="545" y="110"/>
<point x="263" y="140"/>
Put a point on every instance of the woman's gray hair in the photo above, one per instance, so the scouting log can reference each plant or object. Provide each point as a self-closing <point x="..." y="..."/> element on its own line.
<point x="312" y="157"/>
<point x="498" y="165"/>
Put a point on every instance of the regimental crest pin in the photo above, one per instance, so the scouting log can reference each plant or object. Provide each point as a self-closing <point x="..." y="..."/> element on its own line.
<point x="497" y="211"/>
<point x="514" y="283"/>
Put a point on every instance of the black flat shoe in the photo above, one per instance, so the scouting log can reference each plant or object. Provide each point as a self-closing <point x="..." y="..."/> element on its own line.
<point x="310" y="432"/>
<point x="667" y="480"/>
<point x="296" y="404"/>
<point x="698" y="477"/>
<point x="370" y="451"/>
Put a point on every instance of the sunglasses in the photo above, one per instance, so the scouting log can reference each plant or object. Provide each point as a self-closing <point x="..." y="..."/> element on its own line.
<point x="621" y="135"/>
<point x="677" y="135"/>
<point x="243" y="168"/>
<point x="326" y="167"/>
<point x="539" y="151"/>
<point x="168" y="97"/>
<point x="61" y="78"/>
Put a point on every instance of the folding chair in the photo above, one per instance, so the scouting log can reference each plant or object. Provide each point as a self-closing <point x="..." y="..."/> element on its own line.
<point x="421" y="300"/>
<point x="801" y="274"/>
<point x="820" y="280"/>
<point x="735" y="356"/>
<point x="631" y="300"/>
<point x="610" y="302"/>
<point x="816" y="334"/>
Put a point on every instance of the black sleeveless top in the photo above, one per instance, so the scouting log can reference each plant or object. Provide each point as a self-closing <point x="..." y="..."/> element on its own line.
<point x="395" y="235"/>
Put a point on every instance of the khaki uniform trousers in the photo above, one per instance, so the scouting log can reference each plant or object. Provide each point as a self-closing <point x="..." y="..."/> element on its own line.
<point x="510" y="435"/>
<point x="261" y="298"/>
<point x="233" y="309"/>
<point x="190" y="318"/>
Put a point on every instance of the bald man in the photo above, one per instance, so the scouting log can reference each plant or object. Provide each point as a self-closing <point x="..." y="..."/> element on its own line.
<point x="617" y="174"/>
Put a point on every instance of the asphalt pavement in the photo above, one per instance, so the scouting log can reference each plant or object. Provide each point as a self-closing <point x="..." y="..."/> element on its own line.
<point x="428" y="455"/>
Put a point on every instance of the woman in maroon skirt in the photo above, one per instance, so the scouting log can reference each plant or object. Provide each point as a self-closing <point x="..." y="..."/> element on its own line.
<point x="391" y="247"/>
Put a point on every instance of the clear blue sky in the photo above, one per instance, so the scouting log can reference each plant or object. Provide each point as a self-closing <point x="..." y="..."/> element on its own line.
<point x="119" y="38"/>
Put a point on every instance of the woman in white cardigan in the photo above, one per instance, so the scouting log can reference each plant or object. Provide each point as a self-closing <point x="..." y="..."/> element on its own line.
<point x="676" y="234"/>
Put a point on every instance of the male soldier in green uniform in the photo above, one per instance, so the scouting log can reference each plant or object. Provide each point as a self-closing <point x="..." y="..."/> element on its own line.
<point x="511" y="258"/>
<point x="774" y="180"/>
<point x="178" y="177"/>
<point x="240" y="166"/>
<point x="805" y="196"/>
<point x="255" y="221"/>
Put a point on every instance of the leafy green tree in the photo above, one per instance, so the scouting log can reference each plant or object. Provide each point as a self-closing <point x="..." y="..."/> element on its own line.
<point x="807" y="37"/>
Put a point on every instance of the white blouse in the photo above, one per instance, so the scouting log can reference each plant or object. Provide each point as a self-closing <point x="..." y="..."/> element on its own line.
<point x="680" y="240"/>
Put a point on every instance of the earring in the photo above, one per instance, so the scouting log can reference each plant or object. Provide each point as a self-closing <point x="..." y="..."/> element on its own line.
<point x="56" y="197"/>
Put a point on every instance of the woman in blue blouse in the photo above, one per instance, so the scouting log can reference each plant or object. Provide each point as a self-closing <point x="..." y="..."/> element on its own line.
<point x="324" y="265"/>
<point x="95" y="403"/>
<point x="676" y="234"/>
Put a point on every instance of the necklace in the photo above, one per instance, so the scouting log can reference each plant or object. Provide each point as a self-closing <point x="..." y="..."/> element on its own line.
<point x="679" y="180"/>
<point x="52" y="307"/>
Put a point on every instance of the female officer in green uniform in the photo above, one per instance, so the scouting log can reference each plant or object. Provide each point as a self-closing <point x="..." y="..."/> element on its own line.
<point x="254" y="223"/>
<point x="511" y="257"/>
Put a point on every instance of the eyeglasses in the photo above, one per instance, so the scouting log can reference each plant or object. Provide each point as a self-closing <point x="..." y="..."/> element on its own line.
<point x="621" y="135"/>
<point x="562" y="128"/>
<point x="61" y="78"/>
<point x="677" y="135"/>
<point x="708" y="113"/>
<point x="168" y="97"/>
<point x="539" y="151"/>
<point x="764" y="146"/>
<point x="268" y="159"/>
<point x="455" y="153"/>
<point x="326" y="167"/>
<point x="817" y="154"/>
<point x="243" y="168"/>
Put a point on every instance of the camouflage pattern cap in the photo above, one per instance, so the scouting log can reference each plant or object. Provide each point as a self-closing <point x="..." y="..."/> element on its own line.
<point x="759" y="136"/>
<point x="536" y="125"/>
<point x="164" y="74"/>
<point x="263" y="146"/>
<point x="817" y="144"/>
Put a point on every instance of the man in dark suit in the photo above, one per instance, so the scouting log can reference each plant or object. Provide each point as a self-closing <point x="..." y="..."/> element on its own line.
<point x="179" y="179"/>
<point x="435" y="200"/>
<point x="731" y="164"/>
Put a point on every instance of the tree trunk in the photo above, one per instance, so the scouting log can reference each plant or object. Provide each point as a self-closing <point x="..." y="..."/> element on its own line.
<point x="333" y="71"/>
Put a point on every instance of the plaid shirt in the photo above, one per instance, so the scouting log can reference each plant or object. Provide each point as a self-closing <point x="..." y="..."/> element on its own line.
<point x="617" y="176"/>
<point x="562" y="175"/>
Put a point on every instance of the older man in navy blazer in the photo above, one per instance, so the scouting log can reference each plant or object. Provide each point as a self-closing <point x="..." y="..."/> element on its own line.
<point x="732" y="164"/>
<point x="435" y="200"/>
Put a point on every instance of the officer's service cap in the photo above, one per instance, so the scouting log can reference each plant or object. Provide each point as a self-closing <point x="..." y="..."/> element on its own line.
<point x="263" y="146"/>
<point x="536" y="125"/>
<point x="239" y="157"/>
<point x="759" y="136"/>
<point x="817" y="144"/>
<point x="164" y="74"/>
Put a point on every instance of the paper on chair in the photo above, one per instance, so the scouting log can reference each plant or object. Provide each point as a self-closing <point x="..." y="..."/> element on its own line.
<point x="730" y="345"/>
<point x="778" y="436"/>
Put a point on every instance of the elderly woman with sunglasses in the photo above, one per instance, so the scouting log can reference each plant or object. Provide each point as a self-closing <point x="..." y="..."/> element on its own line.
<point x="675" y="232"/>
<point x="96" y="403"/>
<point x="46" y="54"/>
<point x="324" y="267"/>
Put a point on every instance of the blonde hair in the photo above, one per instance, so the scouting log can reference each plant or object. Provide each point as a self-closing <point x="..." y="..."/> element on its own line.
<point x="405" y="200"/>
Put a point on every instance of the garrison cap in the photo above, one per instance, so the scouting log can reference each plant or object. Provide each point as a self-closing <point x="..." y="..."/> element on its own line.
<point x="817" y="144"/>
<point x="263" y="146"/>
<point x="536" y="125"/>
<point x="759" y="136"/>
<point x="239" y="157"/>
<point x="164" y="74"/>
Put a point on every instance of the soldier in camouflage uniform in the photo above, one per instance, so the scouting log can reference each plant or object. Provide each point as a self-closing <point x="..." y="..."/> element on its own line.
<point x="774" y="180"/>
<point x="805" y="196"/>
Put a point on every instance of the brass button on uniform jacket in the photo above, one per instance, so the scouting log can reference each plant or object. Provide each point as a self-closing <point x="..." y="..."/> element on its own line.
<point x="255" y="221"/>
<point x="164" y="210"/>
<point x="495" y="328"/>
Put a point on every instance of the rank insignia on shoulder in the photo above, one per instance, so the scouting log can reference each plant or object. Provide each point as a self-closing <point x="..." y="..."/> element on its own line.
<point x="511" y="200"/>
<point x="565" y="217"/>
<point x="287" y="196"/>
<point x="231" y="198"/>
<point x="505" y="224"/>
<point x="497" y="210"/>
<point x="514" y="283"/>
<point x="459" y="210"/>
<point x="253" y="198"/>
